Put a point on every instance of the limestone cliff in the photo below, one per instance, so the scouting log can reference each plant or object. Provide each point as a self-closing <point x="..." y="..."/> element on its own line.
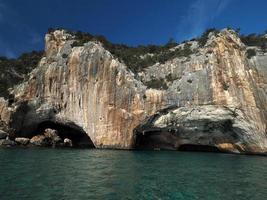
<point x="215" y="97"/>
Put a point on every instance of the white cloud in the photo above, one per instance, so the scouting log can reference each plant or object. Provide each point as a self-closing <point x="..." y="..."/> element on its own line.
<point x="199" y="15"/>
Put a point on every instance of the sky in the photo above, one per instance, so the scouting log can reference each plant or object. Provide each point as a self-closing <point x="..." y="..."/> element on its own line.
<point x="23" y="23"/>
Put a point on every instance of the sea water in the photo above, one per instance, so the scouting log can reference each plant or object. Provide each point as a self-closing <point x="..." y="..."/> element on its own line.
<point x="70" y="174"/>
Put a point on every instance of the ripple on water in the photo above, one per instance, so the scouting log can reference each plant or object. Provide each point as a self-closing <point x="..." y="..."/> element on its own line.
<point x="107" y="174"/>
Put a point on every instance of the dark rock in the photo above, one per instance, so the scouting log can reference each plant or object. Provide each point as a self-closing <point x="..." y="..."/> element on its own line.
<point x="7" y="142"/>
<point x="67" y="142"/>
<point x="3" y="134"/>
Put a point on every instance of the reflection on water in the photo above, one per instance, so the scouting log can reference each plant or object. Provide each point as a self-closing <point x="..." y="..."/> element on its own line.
<point x="106" y="174"/>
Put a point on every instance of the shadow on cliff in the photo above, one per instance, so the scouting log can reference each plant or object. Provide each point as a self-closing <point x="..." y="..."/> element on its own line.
<point x="167" y="139"/>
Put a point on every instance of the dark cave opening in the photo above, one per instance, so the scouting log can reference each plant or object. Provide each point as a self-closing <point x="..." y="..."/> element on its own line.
<point x="164" y="140"/>
<point x="71" y="131"/>
<point x="155" y="140"/>
<point x="198" y="147"/>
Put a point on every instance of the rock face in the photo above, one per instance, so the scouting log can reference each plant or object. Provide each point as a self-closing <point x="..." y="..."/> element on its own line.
<point x="224" y="128"/>
<point x="4" y="113"/>
<point x="216" y="97"/>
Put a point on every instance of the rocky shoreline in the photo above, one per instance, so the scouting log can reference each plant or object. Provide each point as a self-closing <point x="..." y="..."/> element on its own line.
<point x="49" y="138"/>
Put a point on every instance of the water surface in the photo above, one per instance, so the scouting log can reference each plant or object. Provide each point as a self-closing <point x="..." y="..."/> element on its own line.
<point x="70" y="174"/>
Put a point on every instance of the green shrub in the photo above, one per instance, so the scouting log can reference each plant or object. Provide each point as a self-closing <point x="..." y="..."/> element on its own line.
<point x="13" y="71"/>
<point x="251" y="53"/>
<point x="64" y="55"/>
<point x="264" y="47"/>
<point x="225" y="85"/>
<point x="136" y="58"/>
<point x="254" y="39"/>
<point x="202" y="40"/>
<point x="157" y="84"/>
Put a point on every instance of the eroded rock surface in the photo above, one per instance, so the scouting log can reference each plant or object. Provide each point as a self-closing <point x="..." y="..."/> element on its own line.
<point x="22" y="141"/>
<point x="39" y="140"/>
<point x="214" y="97"/>
<point x="222" y="127"/>
<point x="4" y="114"/>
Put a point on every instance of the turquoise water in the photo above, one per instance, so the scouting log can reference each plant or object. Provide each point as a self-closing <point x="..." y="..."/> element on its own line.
<point x="70" y="174"/>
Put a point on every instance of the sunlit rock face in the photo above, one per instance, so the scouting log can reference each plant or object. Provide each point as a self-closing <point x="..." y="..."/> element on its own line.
<point x="4" y="114"/>
<point x="88" y="87"/>
<point x="221" y="75"/>
<point x="215" y="97"/>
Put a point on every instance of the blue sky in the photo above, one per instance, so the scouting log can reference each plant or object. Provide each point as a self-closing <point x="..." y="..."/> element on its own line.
<point x="24" y="22"/>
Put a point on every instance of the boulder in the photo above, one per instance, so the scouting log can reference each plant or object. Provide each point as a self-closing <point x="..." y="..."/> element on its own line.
<point x="7" y="142"/>
<point x="52" y="135"/>
<point x="22" y="141"/>
<point x="68" y="142"/>
<point x="39" y="140"/>
<point x="3" y="134"/>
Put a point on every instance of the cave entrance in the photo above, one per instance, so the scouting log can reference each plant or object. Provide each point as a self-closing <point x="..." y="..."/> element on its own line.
<point x="155" y="140"/>
<point x="167" y="140"/>
<point x="197" y="147"/>
<point x="71" y="131"/>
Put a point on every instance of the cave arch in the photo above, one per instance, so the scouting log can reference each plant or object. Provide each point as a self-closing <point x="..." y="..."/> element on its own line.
<point x="66" y="130"/>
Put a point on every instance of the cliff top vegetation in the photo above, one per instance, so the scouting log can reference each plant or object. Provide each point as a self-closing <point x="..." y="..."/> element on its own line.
<point x="14" y="71"/>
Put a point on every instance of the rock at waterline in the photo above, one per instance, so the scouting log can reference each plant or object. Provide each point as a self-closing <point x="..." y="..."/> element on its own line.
<point x="39" y="140"/>
<point x="67" y="142"/>
<point x="3" y="134"/>
<point x="7" y="142"/>
<point x="22" y="141"/>
<point x="48" y="138"/>
<point x="52" y="135"/>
